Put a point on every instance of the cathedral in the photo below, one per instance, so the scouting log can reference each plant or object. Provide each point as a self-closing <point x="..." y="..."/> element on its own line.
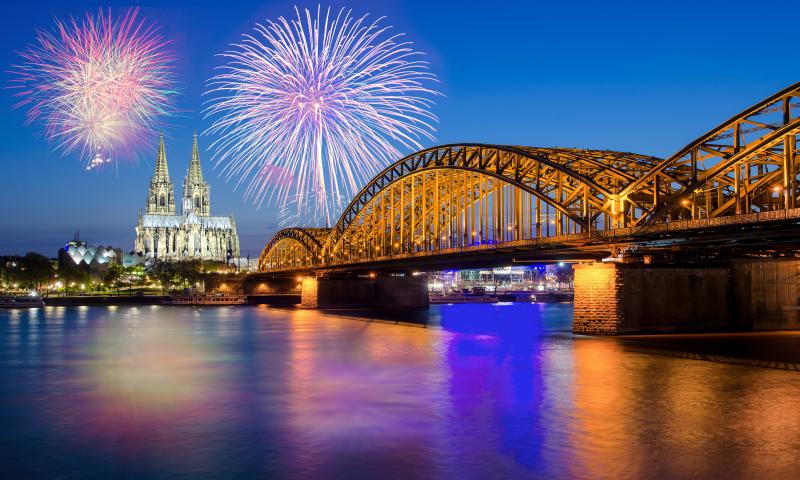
<point x="194" y="233"/>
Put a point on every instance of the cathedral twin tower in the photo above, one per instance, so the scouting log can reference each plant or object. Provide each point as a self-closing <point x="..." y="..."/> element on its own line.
<point x="194" y="234"/>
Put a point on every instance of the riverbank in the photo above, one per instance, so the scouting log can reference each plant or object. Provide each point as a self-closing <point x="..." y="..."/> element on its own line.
<point x="277" y="300"/>
<point x="99" y="300"/>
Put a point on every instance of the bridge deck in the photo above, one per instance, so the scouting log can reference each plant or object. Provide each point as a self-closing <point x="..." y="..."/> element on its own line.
<point x="591" y="245"/>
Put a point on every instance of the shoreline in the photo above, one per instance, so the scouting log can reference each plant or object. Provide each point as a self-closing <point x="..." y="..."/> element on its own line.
<point x="106" y="300"/>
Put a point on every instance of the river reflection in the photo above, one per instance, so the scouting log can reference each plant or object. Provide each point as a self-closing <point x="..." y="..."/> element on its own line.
<point x="494" y="391"/>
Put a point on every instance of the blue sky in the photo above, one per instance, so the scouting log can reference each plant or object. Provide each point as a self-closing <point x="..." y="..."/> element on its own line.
<point x="636" y="76"/>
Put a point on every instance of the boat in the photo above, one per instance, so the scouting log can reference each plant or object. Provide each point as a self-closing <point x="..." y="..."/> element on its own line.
<point x="21" y="302"/>
<point x="524" y="297"/>
<point x="461" y="298"/>
<point x="212" y="299"/>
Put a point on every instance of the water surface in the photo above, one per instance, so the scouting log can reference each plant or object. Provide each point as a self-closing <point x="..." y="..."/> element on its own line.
<point x="493" y="391"/>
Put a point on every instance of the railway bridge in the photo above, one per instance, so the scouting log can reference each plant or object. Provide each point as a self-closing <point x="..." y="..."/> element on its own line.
<point x="705" y="238"/>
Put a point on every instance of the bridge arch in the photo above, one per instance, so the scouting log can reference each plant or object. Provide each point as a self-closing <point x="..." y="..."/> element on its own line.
<point x="746" y="164"/>
<point x="293" y="248"/>
<point x="470" y="190"/>
<point x="501" y="193"/>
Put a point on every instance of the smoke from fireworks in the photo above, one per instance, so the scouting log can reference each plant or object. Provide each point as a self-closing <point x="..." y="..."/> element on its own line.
<point x="314" y="106"/>
<point x="98" y="86"/>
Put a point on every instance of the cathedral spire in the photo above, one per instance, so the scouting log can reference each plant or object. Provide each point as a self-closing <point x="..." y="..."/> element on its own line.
<point x="162" y="170"/>
<point x="161" y="198"/>
<point x="195" y="172"/>
<point x="196" y="195"/>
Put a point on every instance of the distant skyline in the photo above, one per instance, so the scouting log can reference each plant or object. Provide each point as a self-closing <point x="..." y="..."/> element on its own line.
<point x="629" y="76"/>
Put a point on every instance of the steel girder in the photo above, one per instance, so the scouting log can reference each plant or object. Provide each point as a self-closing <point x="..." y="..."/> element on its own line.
<point x="566" y="179"/>
<point x="293" y="247"/>
<point x="746" y="164"/>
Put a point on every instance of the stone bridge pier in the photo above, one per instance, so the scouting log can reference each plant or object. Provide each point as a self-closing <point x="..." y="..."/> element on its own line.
<point x="744" y="294"/>
<point x="362" y="292"/>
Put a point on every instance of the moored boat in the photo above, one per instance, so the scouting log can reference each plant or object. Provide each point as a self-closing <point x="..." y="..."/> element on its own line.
<point x="461" y="298"/>
<point x="21" y="302"/>
<point x="211" y="299"/>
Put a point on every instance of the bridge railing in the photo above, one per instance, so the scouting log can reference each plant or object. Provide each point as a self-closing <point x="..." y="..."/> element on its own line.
<point x="578" y="238"/>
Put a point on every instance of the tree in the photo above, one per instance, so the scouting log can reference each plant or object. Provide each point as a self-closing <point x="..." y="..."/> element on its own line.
<point x="161" y="270"/>
<point x="34" y="270"/>
<point x="113" y="274"/>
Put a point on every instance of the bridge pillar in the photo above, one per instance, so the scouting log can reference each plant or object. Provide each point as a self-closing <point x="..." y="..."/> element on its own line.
<point x="767" y="292"/>
<point x="379" y="292"/>
<point x="618" y="298"/>
<point x="598" y="299"/>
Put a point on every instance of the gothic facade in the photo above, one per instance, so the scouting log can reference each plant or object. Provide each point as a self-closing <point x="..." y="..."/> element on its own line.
<point x="194" y="233"/>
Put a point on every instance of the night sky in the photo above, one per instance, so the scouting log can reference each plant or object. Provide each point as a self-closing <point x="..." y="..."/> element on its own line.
<point x="646" y="77"/>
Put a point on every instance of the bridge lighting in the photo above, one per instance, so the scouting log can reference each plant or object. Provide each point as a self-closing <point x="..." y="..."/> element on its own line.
<point x="299" y="278"/>
<point x="777" y="188"/>
<point x="396" y="245"/>
<point x="473" y="233"/>
<point x="371" y="274"/>
<point x="685" y="202"/>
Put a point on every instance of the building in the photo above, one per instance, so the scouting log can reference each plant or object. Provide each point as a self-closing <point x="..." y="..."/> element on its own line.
<point x="194" y="233"/>
<point x="78" y="253"/>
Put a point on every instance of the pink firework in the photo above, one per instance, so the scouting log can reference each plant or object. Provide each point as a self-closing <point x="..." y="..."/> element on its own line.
<point x="98" y="85"/>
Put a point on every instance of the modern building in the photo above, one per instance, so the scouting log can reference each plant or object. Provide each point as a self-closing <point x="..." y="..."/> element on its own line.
<point x="78" y="252"/>
<point x="192" y="234"/>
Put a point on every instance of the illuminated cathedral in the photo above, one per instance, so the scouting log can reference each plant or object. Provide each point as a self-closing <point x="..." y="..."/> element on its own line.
<point x="162" y="233"/>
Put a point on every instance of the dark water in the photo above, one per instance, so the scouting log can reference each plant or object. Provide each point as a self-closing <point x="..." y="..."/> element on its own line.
<point x="499" y="391"/>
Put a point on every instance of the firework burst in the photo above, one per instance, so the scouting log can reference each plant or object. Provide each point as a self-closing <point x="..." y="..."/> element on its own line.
<point x="314" y="106"/>
<point x="98" y="85"/>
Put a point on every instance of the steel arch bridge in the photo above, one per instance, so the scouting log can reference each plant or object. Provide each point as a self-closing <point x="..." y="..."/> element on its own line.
<point x="458" y="196"/>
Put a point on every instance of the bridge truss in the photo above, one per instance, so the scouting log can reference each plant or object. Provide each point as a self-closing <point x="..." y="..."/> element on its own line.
<point x="466" y="195"/>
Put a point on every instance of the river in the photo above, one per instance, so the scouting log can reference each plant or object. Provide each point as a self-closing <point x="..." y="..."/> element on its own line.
<point x="484" y="391"/>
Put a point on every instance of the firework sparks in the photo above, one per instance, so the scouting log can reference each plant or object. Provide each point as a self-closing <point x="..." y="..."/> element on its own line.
<point x="295" y="208"/>
<point x="98" y="85"/>
<point x="328" y="99"/>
